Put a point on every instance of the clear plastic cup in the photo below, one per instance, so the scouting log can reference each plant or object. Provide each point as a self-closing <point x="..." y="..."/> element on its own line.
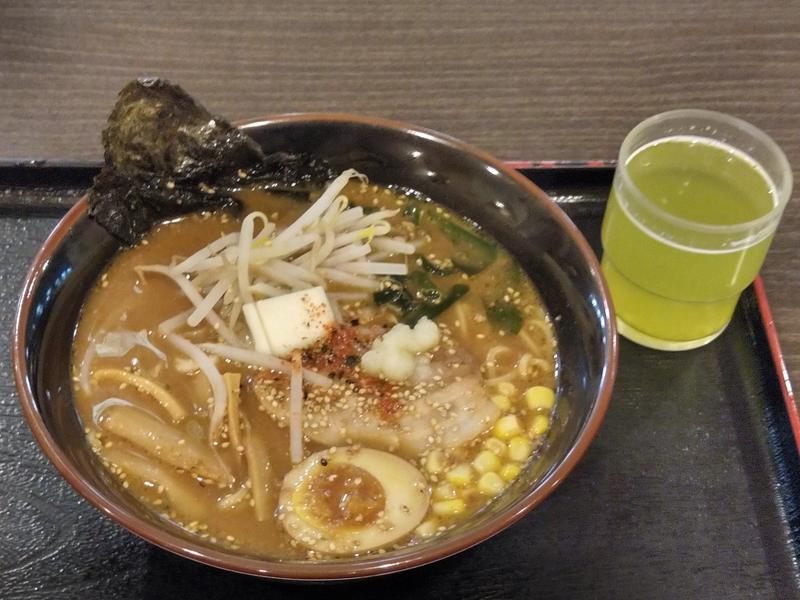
<point x="695" y="202"/>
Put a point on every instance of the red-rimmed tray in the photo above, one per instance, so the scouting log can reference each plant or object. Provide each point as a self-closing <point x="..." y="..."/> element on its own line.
<point x="690" y="490"/>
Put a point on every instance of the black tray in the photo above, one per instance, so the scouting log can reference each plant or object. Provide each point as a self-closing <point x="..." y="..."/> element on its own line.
<point x="690" y="490"/>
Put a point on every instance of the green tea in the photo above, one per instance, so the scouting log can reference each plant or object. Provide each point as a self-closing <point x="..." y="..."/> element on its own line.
<point x="662" y="287"/>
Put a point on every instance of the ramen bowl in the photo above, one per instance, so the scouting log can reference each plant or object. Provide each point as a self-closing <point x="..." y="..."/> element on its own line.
<point x="468" y="181"/>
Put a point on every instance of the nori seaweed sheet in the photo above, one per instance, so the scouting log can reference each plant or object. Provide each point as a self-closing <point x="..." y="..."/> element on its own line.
<point x="166" y="155"/>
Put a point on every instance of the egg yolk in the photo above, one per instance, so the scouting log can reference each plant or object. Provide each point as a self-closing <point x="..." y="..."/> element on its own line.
<point x="342" y="495"/>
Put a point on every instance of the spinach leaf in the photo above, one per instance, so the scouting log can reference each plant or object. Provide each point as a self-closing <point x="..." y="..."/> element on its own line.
<point x="505" y="316"/>
<point x="420" y="287"/>
<point x="472" y="252"/>
<point x="435" y="269"/>
<point x="434" y="310"/>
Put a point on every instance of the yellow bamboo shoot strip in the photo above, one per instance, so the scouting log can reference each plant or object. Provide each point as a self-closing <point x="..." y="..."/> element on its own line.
<point x="233" y="499"/>
<point x="180" y="493"/>
<point x="260" y="472"/>
<point x="145" y="386"/>
<point x="232" y="383"/>
<point x="153" y="436"/>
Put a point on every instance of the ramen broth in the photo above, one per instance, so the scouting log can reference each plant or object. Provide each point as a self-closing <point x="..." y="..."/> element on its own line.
<point x="234" y="503"/>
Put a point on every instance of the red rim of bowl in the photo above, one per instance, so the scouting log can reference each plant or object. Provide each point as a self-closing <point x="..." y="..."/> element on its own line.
<point x="345" y="568"/>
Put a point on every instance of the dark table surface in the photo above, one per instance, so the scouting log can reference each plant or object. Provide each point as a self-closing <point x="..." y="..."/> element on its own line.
<point x="524" y="80"/>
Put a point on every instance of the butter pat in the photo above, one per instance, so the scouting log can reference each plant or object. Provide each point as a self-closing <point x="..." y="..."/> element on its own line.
<point x="291" y="321"/>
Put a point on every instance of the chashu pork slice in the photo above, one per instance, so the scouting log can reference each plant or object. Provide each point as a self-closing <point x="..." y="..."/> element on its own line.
<point x="447" y="417"/>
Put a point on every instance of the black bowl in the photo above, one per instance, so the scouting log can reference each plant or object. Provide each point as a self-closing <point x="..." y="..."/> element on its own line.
<point x="472" y="183"/>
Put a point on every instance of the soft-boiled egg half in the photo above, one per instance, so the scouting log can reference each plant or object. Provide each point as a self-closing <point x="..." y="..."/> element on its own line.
<point x="350" y="500"/>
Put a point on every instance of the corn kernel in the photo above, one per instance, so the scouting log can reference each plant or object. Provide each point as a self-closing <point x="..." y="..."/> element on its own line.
<point x="449" y="508"/>
<point x="502" y="402"/>
<point x="540" y="398"/>
<point x="519" y="448"/>
<point x="486" y="461"/>
<point x="509" y="471"/>
<point x="491" y="484"/>
<point x="540" y="425"/>
<point x="496" y="446"/>
<point x="435" y="462"/>
<point x="460" y="475"/>
<point x="507" y="388"/>
<point x="426" y="529"/>
<point x="507" y="427"/>
<point x="444" y="491"/>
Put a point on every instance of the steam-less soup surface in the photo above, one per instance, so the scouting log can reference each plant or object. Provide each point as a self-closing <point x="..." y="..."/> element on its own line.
<point x="367" y="390"/>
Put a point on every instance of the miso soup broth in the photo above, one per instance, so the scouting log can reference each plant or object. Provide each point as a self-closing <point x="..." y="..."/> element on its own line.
<point x="316" y="378"/>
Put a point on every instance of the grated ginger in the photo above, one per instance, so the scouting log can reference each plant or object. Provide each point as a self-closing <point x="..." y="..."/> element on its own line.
<point x="393" y="355"/>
